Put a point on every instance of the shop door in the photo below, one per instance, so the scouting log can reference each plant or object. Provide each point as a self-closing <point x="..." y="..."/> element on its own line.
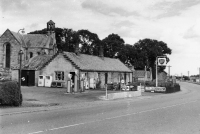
<point x="31" y="78"/>
<point x="28" y="78"/>
<point x="106" y="78"/>
<point x="24" y="81"/>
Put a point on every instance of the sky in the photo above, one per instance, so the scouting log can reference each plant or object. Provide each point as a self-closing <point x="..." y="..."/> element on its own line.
<point x="175" y="22"/>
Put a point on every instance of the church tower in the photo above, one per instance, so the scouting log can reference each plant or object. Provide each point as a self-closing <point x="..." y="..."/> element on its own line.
<point x="52" y="37"/>
<point x="50" y="27"/>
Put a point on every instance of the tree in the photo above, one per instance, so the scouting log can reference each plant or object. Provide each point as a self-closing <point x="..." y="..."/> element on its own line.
<point x="68" y="38"/>
<point x="147" y="51"/>
<point x="113" y="46"/>
<point x="89" y="42"/>
<point x="127" y="55"/>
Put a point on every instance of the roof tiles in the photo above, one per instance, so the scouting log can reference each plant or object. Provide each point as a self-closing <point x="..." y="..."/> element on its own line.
<point x="33" y="40"/>
<point x="82" y="61"/>
<point x="96" y="63"/>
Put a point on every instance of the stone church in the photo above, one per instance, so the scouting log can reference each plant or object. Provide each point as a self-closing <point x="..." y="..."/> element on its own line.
<point x="31" y="45"/>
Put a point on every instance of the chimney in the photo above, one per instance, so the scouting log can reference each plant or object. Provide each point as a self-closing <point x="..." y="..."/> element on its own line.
<point x="101" y="52"/>
<point x="77" y="49"/>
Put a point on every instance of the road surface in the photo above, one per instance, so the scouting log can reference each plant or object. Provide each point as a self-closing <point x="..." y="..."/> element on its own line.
<point x="177" y="113"/>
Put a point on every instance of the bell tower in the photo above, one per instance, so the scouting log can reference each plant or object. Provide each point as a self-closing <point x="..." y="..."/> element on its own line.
<point x="50" y="27"/>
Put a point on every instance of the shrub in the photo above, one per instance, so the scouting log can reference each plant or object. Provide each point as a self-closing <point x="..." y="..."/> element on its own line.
<point x="10" y="93"/>
<point x="177" y="87"/>
<point x="173" y="88"/>
<point x="170" y="87"/>
<point x="150" y="84"/>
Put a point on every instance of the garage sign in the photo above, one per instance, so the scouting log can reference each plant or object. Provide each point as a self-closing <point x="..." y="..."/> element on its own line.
<point x="162" y="61"/>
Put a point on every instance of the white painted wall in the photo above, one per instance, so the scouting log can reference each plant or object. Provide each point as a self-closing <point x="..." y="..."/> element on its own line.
<point x="58" y="64"/>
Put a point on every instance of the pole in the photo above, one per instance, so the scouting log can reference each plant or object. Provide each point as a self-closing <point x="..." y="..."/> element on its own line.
<point x="106" y="92"/>
<point x="181" y="77"/>
<point x="156" y="72"/>
<point x="20" y="70"/>
<point x="199" y="75"/>
<point x="20" y="62"/>
<point x="169" y="70"/>
<point x="145" y="76"/>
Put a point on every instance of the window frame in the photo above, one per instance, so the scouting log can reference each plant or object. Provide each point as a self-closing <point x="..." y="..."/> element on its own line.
<point x="61" y="77"/>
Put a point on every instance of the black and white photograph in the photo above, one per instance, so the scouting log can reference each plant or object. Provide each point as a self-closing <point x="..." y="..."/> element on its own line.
<point x="99" y="66"/>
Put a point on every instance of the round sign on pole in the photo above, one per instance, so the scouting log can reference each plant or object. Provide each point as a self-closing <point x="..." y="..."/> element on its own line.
<point x="162" y="61"/>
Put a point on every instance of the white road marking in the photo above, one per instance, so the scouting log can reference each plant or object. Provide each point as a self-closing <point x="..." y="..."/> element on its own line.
<point x="83" y="123"/>
<point x="37" y="132"/>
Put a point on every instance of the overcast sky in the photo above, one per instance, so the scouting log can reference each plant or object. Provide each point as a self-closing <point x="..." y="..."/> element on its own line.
<point x="176" y="22"/>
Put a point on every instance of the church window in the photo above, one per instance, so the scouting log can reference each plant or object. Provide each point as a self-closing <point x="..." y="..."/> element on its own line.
<point x="8" y="56"/>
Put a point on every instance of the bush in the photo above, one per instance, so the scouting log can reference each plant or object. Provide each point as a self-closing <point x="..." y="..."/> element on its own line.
<point x="10" y="93"/>
<point x="150" y="84"/>
<point x="171" y="88"/>
<point x="177" y="87"/>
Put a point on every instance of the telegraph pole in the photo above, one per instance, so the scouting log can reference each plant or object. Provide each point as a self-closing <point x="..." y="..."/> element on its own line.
<point x="181" y="77"/>
<point x="156" y="71"/>
<point x="199" y="75"/>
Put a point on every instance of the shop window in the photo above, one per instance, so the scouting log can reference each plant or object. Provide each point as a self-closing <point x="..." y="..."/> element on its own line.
<point x="59" y="75"/>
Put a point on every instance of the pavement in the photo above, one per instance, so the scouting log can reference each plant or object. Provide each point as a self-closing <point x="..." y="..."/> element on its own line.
<point x="37" y="99"/>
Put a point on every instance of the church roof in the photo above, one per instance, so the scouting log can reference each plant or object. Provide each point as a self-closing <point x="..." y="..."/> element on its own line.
<point x="34" y="40"/>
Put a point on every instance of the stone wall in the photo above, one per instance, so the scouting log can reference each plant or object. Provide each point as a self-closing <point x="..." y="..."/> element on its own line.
<point x="15" y="75"/>
<point x="6" y="38"/>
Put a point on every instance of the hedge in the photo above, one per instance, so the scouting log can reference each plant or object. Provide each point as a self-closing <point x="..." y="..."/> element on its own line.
<point x="170" y="87"/>
<point x="10" y="93"/>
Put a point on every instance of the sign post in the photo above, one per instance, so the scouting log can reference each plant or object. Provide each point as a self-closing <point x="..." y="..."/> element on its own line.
<point x="160" y="61"/>
<point x="106" y="92"/>
<point x="156" y="72"/>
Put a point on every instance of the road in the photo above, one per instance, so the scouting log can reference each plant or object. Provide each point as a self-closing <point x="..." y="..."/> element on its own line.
<point x="177" y="113"/>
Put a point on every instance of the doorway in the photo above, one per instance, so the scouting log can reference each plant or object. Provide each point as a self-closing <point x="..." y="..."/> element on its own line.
<point x="73" y="76"/>
<point x="28" y="78"/>
<point x="106" y="78"/>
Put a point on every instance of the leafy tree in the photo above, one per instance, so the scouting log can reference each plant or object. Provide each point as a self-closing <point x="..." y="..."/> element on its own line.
<point x="68" y="38"/>
<point x="127" y="54"/>
<point x="89" y="42"/>
<point x="113" y="46"/>
<point x="148" y="50"/>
